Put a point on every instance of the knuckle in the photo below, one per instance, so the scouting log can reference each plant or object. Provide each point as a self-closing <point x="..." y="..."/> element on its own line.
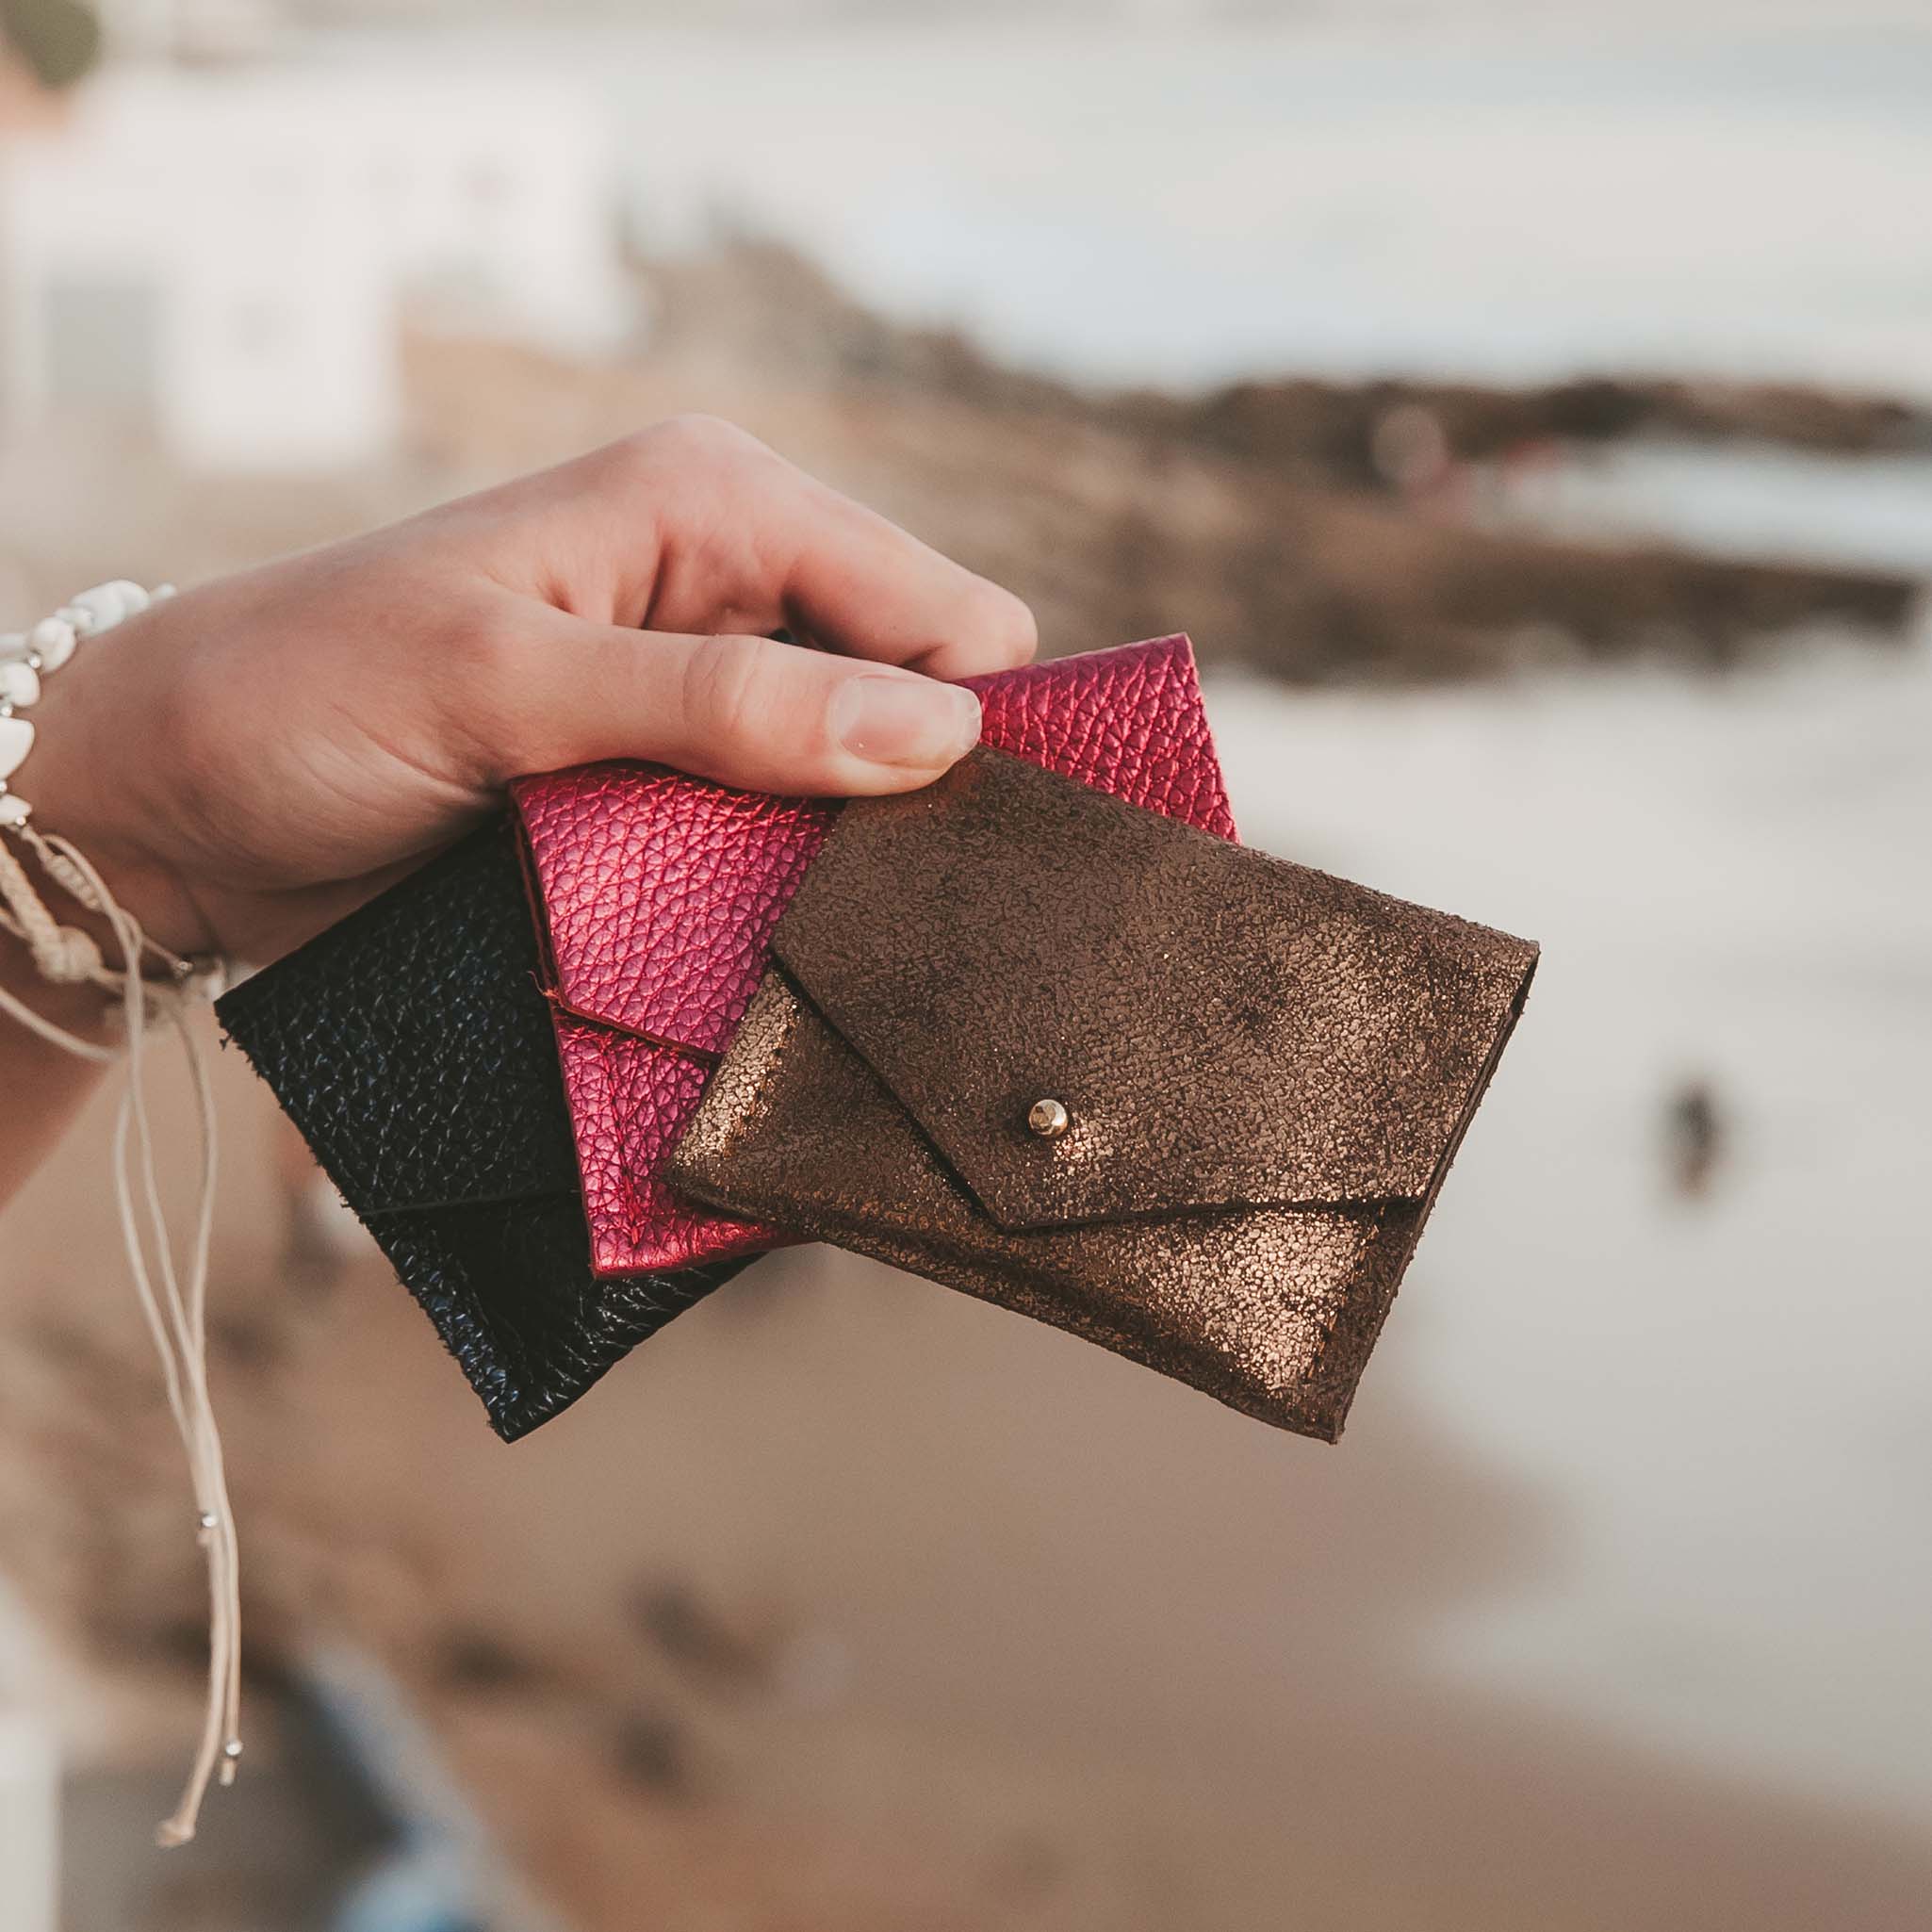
<point x="691" y="440"/>
<point x="1003" y="623"/>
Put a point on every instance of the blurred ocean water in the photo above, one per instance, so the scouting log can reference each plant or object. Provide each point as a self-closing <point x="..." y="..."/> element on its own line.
<point x="1724" y="1398"/>
<point x="1465" y="193"/>
<point x="1466" y="189"/>
<point x="1870" y="512"/>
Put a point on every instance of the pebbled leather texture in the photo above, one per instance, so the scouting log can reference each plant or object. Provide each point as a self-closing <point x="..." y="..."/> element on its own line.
<point x="629" y="1101"/>
<point x="1127" y="721"/>
<point x="412" y="1046"/>
<point x="660" y="894"/>
<point x="1267" y="1070"/>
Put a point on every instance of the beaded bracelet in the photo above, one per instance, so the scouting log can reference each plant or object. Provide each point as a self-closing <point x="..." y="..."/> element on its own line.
<point x="28" y="656"/>
<point x="173" y="1293"/>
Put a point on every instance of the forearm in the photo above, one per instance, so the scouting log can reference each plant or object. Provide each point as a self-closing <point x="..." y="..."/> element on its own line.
<point x="42" y="1086"/>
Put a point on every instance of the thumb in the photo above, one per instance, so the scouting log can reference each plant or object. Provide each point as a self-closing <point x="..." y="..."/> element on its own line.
<point x="748" y="711"/>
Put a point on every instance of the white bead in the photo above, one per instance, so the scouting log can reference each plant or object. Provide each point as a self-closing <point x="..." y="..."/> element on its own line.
<point x="19" y="685"/>
<point x="16" y="741"/>
<point x="107" y="605"/>
<point x="14" y="809"/>
<point x="14" y="643"/>
<point x="54" y="639"/>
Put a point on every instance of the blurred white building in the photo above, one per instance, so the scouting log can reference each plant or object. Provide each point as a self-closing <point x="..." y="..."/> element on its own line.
<point x="227" y="256"/>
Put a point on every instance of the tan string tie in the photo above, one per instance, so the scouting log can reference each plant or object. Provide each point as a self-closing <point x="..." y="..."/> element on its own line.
<point x="173" y="1292"/>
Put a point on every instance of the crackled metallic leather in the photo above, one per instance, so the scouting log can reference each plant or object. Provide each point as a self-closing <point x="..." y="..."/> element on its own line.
<point x="412" y="1047"/>
<point x="1266" y="1072"/>
<point x="660" y="893"/>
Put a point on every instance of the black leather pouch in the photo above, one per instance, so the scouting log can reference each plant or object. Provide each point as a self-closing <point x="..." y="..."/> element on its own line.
<point x="412" y="1047"/>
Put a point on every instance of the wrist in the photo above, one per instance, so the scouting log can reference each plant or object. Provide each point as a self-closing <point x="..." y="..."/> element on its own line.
<point x="144" y="887"/>
<point x="84" y="780"/>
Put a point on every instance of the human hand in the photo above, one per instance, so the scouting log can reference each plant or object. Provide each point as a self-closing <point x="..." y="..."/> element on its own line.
<point x="252" y="760"/>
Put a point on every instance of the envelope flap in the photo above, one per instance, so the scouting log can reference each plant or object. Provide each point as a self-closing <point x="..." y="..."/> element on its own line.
<point x="660" y="891"/>
<point x="1219" y="1027"/>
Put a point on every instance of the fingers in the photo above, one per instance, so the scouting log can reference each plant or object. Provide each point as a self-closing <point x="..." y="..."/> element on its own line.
<point x="861" y="584"/>
<point x="745" y="710"/>
<point x="703" y="528"/>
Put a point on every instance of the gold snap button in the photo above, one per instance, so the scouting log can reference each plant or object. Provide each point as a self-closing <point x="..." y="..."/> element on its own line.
<point x="1048" y="1119"/>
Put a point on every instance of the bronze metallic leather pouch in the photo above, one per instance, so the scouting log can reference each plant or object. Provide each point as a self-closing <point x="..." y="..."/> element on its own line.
<point x="1082" y="1061"/>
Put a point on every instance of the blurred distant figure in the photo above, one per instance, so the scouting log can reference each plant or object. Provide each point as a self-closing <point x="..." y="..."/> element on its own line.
<point x="1695" y="1139"/>
<point x="1410" y="450"/>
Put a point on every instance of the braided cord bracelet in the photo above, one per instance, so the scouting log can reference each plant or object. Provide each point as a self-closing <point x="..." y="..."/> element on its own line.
<point x="172" y="1290"/>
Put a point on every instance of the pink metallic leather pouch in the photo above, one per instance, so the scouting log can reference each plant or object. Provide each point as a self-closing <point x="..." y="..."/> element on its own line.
<point x="659" y="894"/>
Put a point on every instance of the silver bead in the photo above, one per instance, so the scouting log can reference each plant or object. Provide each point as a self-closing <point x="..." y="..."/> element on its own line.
<point x="231" y="1750"/>
<point x="1048" y="1119"/>
<point x="208" y="1519"/>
